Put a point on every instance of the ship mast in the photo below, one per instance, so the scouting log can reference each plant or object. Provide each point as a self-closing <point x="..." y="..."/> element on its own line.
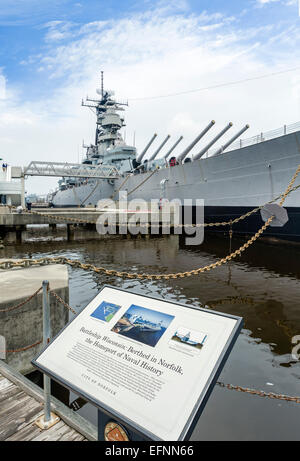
<point x="108" y="121"/>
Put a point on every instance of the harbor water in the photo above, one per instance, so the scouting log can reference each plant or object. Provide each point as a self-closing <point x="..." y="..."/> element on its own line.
<point x="262" y="286"/>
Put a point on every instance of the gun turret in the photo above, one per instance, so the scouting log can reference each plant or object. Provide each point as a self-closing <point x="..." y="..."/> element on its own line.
<point x="222" y="148"/>
<point x="142" y="154"/>
<point x="205" y="149"/>
<point x="173" y="147"/>
<point x="182" y="156"/>
<point x="159" y="149"/>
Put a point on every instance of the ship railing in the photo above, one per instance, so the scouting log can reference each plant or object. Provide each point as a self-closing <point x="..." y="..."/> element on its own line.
<point x="272" y="134"/>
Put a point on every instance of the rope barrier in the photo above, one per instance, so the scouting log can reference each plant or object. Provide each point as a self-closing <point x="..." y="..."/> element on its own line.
<point x="22" y="303"/>
<point x="55" y="295"/>
<point x="22" y="349"/>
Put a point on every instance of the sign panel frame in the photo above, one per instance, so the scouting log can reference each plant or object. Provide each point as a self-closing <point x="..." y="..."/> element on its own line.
<point x="123" y="419"/>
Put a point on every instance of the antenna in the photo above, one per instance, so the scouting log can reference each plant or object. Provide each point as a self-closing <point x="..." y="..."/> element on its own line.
<point x="102" y="85"/>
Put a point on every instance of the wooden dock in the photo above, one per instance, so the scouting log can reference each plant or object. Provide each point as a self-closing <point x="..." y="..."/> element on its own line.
<point x="21" y="403"/>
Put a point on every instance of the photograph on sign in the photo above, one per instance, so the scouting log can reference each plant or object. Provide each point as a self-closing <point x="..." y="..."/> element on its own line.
<point x="190" y="338"/>
<point x="143" y="325"/>
<point x="149" y="363"/>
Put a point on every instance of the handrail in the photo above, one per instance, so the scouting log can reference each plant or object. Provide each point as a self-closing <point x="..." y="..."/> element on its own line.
<point x="272" y="134"/>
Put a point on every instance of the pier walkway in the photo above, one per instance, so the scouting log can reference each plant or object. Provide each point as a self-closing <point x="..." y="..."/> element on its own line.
<point x="21" y="404"/>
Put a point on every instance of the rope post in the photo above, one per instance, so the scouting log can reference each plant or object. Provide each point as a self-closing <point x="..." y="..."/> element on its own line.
<point x="48" y="419"/>
<point x="46" y="340"/>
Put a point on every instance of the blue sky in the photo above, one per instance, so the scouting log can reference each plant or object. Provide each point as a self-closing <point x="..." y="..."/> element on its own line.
<point x="51" y="54"/>
<point x="31" y="29"/>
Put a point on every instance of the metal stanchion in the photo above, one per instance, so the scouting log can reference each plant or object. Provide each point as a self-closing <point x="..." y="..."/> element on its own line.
<point x="48" y="419"/>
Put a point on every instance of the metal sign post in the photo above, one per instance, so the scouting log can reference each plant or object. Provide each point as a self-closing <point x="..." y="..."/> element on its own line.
<point x="49" y="419"/>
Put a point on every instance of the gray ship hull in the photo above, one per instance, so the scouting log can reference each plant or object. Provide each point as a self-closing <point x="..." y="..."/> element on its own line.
<point x="229" y="184"/>
<point x="85" y="195"/>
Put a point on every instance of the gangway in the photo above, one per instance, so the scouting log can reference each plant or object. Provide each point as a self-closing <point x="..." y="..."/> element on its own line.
<point x="71" y="170"/>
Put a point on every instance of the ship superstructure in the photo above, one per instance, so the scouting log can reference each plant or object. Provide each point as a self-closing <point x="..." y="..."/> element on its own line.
<point x="109" y="147"/>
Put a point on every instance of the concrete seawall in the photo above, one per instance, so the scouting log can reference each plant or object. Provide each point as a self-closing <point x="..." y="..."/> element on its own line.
<point x="23" y="327"/>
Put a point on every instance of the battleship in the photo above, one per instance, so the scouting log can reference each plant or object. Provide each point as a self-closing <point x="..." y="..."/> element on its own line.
<point x="232" y="178"/>
<point x="186" y="339"/>
<point x="136" y="321"/>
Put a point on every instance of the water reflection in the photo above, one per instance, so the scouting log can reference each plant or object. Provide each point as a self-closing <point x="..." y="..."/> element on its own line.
<point x="262" y="286"/>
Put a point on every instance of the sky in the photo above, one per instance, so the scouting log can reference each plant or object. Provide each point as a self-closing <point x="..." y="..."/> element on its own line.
<point x="153" y="54"/>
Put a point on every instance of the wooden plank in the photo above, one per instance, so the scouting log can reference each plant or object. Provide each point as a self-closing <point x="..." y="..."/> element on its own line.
<point x="74" y="420"/>
<point x="26" y="431"/>
<point x="7" y="393"/>
<point x="4" y="383"/>
<point x="17" y="416"/>
<point x="15" y="404"/>
<point x="19" y="411"/>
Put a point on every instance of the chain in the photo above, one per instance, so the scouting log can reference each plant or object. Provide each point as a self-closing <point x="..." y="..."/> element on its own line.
<point x="213" y="224"/>
<point x="63" y="302"/>
<point x="8" y="264"/>
<point x="91" y="193"/>
<point x="131" y="275"/>
<point x="143" y="182"/>
<point x="22" y="303"/>
<point x="22" y="349"/>
<point x="62" y="218"/>
<point x="270" y="395"/>
<point x="289" y="188"/>
<point x="125" y="180"/>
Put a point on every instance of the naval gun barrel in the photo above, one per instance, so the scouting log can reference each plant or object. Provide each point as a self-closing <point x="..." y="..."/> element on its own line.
<point x="236" y="136"/>
<point x="142" y="154"/>
<point x="182" y="156"/>
<point x="213" y="141"/>
<point x="173" y="147"/>
<point x="159" y="149"/>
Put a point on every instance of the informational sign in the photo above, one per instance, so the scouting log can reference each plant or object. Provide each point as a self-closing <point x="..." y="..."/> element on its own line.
<point x="149" y="363"/>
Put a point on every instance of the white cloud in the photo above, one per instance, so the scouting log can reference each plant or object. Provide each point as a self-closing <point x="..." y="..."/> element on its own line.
<point x="2" y="87"/>
<point x="155" y="53"/>
<point x="264" y="2"/>
<point x="58" y="30"/>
